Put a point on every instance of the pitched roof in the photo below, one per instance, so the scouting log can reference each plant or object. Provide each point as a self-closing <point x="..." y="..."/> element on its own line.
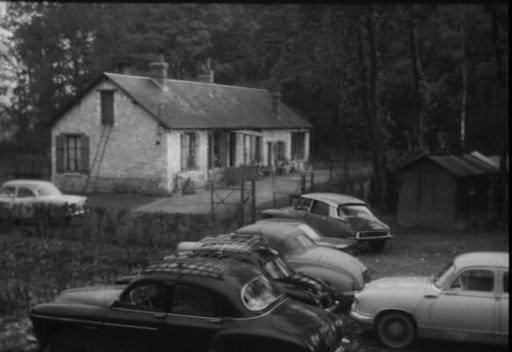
<point x="471" y="164"/>
<point x="198" y="105"/>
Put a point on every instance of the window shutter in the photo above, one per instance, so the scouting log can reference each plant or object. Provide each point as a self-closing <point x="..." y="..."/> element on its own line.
<point x="59" y="144"/>
<point x="194" y="148"/>
<point x="84" y="154"/>
<point x="183" y="151"/>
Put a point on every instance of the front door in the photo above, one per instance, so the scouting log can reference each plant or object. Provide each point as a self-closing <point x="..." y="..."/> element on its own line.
<point x="502" y="314"/>
<point x="467" y="309"/>
<point x="319" y="218"/>
<point x="193" y="319"/>
<point x="137" y="321"/>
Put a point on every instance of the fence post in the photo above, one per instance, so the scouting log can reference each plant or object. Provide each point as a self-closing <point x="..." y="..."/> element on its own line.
<point x="312" y="181"/>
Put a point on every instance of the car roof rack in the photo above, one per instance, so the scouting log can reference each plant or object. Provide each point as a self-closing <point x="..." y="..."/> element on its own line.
<point x="231" y="243"/>
<point x="183" y="265"/>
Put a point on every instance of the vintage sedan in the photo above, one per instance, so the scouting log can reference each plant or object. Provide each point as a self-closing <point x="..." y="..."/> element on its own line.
<point x="269" y="260"/>
<point x="341" y="270"/>
<point x="337" y="215"/>
<point x="187" y="305"/>
<point x="29" y="199"/>
<point x="467" y="301"/>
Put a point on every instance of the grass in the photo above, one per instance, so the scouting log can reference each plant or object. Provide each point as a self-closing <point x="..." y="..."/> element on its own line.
<point x="38" y="262"/>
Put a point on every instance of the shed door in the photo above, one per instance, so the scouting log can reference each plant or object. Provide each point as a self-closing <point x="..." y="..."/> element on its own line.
<point x="427" y="193"/>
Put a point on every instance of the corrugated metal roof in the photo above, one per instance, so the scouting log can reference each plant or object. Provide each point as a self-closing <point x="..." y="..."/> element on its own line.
<point x="198" y="105"/>
<point x="471" y="164"/>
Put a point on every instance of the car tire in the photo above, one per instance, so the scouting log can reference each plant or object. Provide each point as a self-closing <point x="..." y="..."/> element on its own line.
<point x="377" y="245"/>
<point x="396" y="330"/>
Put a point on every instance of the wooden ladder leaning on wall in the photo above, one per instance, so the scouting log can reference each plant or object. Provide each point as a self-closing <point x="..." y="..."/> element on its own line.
<point x="98" y="158"/>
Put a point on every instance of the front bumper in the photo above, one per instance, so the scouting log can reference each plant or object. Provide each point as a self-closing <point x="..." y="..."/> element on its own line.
<point x="361" y="317"/>
<point x="373" y="235"/>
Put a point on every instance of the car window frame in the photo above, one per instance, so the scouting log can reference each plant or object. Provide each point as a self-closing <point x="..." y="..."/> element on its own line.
<point x="302" y="200"/>
<point x="472" y="292"/>
<point x="213" y="295"/>
<point x="120" y="304"/>
<point x="10" y="195"/>
<point x="326" y="207"/>
<point x="24" y="188"/>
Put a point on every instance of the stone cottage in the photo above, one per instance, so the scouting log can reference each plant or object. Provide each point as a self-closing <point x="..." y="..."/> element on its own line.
<point x="154" y="134"/>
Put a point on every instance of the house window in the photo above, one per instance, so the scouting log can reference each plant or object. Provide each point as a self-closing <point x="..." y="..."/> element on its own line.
<point x="298" y="145"/>
<point x="188" y="151"/>
<point x="72" y="153"/>
<point x="107" y="107"/>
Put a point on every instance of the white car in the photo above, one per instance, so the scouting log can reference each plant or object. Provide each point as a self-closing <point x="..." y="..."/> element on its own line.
<point x="21" y="199"/>
<point x="468" y="301"/>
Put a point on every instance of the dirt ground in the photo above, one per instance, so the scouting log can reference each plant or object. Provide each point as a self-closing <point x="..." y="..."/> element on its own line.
<point x="410" y="252"/>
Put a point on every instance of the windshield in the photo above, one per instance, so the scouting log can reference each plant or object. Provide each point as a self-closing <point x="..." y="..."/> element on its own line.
<point x="278" y="269"/>
<point x="259" y="293"/>
<point x="48" y="190"/>
<point x="440" y="279"/>
<point x="353" y="210"/>
<point x="312" y="234"/>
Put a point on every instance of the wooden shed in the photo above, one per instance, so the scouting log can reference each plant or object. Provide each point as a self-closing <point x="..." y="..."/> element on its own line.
<point x="446" y="191"/>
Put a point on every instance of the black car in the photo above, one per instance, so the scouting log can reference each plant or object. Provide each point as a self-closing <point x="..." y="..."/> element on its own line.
<point x="252" y="250"/>
<point x="186" y="304"/>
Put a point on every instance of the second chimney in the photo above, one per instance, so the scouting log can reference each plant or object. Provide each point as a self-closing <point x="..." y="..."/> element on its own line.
<point x="158" y="70"/>
<point x="207" y="74"/>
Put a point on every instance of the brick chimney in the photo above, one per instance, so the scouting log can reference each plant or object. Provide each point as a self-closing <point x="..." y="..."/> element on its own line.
<point x="276" y="104"/>
<point x="158" y="70"/>
<point x="207" y="74"/>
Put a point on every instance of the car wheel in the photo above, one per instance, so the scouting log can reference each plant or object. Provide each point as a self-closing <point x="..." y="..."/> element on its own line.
<point x="396" y="330"/>
<point x="377" y="245"/>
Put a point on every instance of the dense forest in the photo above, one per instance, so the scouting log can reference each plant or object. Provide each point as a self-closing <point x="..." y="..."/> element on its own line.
<point x="392" y="80"/>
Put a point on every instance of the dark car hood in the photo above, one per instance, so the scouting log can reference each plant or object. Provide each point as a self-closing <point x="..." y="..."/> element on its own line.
<point x="365" y="223"/>
<point x="101" y="296"/>
<point x="303" y="321"/>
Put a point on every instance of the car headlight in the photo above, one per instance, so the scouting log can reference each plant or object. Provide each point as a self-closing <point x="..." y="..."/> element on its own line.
<point x="314" y="340"/>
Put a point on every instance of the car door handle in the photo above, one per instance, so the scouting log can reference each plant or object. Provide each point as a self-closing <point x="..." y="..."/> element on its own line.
<point x="159" y="315"/>
<point x="430" y="296"/>
<point x="215" y="320"/>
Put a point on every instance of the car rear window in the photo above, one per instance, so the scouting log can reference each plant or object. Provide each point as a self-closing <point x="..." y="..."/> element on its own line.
<point x="259" y="293"/>
<point x="48" y="190"/>
<point x="353" y="210"/>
